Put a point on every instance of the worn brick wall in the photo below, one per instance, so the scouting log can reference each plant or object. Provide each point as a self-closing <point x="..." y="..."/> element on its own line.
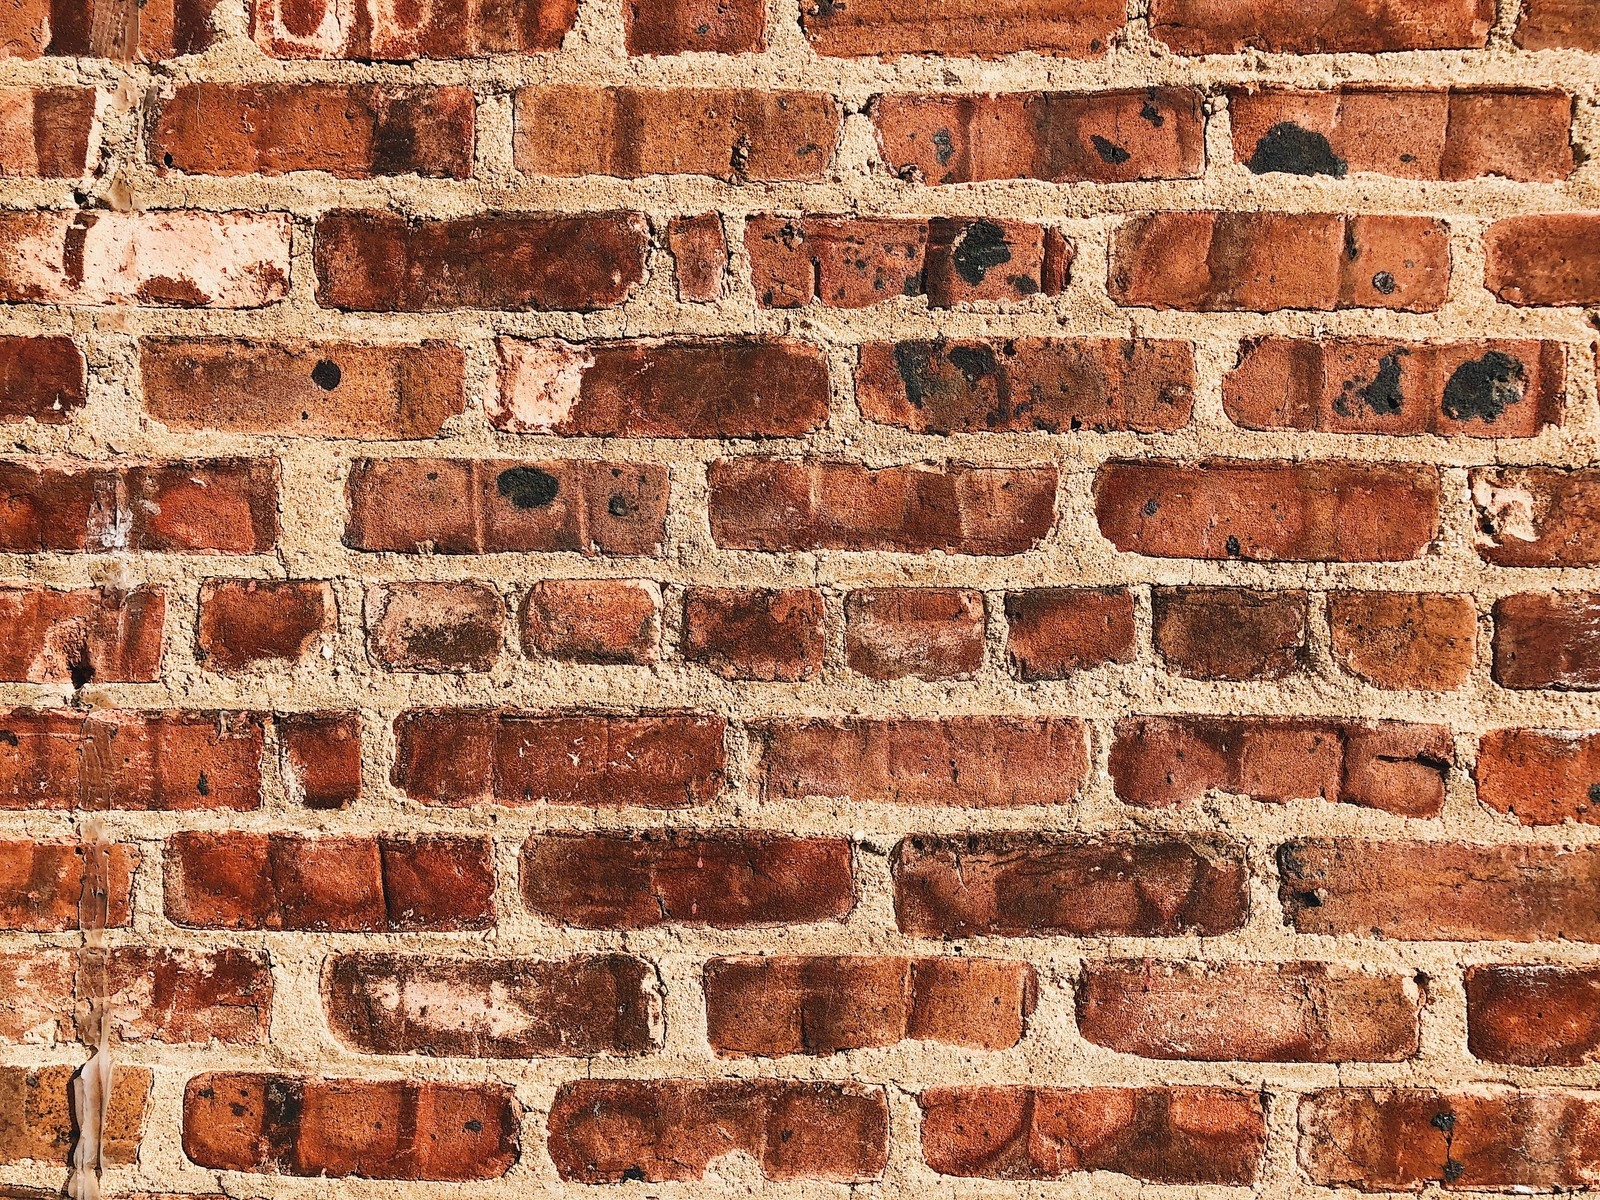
<point x="702" y="595"/>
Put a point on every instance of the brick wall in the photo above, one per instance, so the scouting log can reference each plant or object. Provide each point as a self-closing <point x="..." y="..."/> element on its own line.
<point x="719" y="595"/>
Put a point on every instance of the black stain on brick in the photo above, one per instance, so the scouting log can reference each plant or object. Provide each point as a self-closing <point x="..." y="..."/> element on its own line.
<point x="1484" y="388"/>
<point x="974" y="362"/>
<point x="326" y="375"/>
<point x="528" y="487"/>
<point x="914" y="362"/>
<point x="1295" y="150"/>
<point x="981" y="247"/>
<point x="1234" y="549"/>
<point x="944" y="147"/>
<point x="1152" y="114"/>
<point x="1384" y="395"/>
<point x="1384" y="283"/>
<point x="1108" y="150"/>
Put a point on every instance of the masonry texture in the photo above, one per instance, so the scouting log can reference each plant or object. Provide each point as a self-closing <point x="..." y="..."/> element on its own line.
<point x="688" y="597"/>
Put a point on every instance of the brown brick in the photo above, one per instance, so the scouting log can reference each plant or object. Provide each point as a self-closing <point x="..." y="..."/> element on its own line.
<point x="1540" y="776"/>
<point x="434" y="626"/>
<point x="1061" y="137"/>
<point x="922" y="633"/>
<point x="593" y="620"/>
<point x="957" y="761"/>
<point x="40" y="1124"/>
<point x="1534" y="1016"/>
<point x="1159" y="762"/>
<point x="1558" y="24"/>
<point x="1547" y="259"/>
<point x="41" y="885"/>
<point x="1031" y="885"/>
<point x="716" y="880"/>
<point x="1548" y="640"/>
<point x="823" y="1005"/>
<point x="1398" y="640"/>
<point x="1186" y="1135"/>
<point x="1321" y="26"/>
<point x="682" y="26"/>
<point x="44" y="132"/>
<point x="1441" y="891"/>
<point x="883" y="29"/>
<point x="367" y="29"/>
<point x="660" y="1130"/>
<point x="496" y="1008"/>
<point x="754" y="633"/>
<point x="42" y="379"/>
<point x="1249" y="1012"/>
<point x="246" y="623"/>
<point x="1537" y="516"/>
<point x="1054" y="632"/>
<point x="1262" y="262"/>
<point x="320" y="758"/>
<point x="1019" y="385"/>
<point x="699" y="250"/>
<point x="96" y="635"/>
<point x="1366" y="385"/>
<point x="1230" y="633"/>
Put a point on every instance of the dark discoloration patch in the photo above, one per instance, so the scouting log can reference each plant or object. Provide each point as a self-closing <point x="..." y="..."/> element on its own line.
<point x="1383" y="394"/>
<point x="981" y="247"/>
<point x="1384" y="283"/>
<point x="1295" y="150"/>
<point x="1152" y="114"/>
<point x="914" y="364"/>
<point x="326" y="374"/>
<point x="528" y="487"/>
<point x="1483" y="389"/>
<point x="944" y="147"/>
<point x="974" y="362"/>
<point x="1109" y="151"/>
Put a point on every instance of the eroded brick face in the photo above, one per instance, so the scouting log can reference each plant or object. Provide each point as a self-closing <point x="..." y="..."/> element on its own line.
<point x="848" y="597"/>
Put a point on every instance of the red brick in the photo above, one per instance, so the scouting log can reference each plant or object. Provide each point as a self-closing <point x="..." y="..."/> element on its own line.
<point x="497" y="1008"/>
<point x="1365" y="385"/>
<point x="1268" y="511"/>
<point x="434" y="626"/>
<point x="1054" y="632"/>
<point x="372" y="261"/>
<point x="593" y="620"/>
<point x="41" y="379"/>
<point x="1441" y="891"/>
<point x="683" y="26"/>
<point x="353" y="131"/>
<point x="823" y="1005"/>
<point x="1019" y="385"/>
<point x="1262" y="262"/>
<point x="1249" y="1012"/>
<point x="1545" y="259"/>
<point x="683" y="387"/>
<point x="1160" y="762"/>
<point x="1490" y="1138"/>
<point x="729" y="133"/>
<point x="367" y="29"/>
<point x="44" y="132"/>
<point x="491" y="506"/>
<point x="136" y="761"/>
<point x="854" y="262"/>
<point x="958" y="761"/>
<point x="716" y="880"/>
<point x="699" y="250"/>
<point x="768" y="504"/>
<point x="1537" y="516"/>
<point x="180" y="259"/>
<point x="1558" y="24"/>
<point x="754" y="633"/>
<point x="1548" y="640"/>
<point x="1534" y="1016"/>
<point x="883" y="29"/>
<point x="1042" y="885"/>
<point x="1321" y="26"/>
<point x="1183" y="1135"/>
<point x="102" y="635"/>
<point x="336" y="1128"/>
<point x="1398" y="640"/>
<point x="660" y="1130"/>
<point x="165" y="29"/>
<point x="40" y="1123"/>
<point x="1061" y="137"/>
<point x="246" y="623"/>
<point x="1413" y="133"/>
<point x="921" y="633"/>
<point x="222" y="506"/>
<point x="464" y="757"/>
<point x="1540" y="776"/>
<point x="1230" y="633"/>
<point x="41" y="884"/>
<point x="337" y="884"/>
<point x="320" y="758"/>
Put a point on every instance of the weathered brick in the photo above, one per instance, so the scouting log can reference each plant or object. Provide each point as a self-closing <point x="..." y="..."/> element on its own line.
<point x="683" y="387"/>
<point x="681" y="26"/>
<point x="1230" y="633"/>
<point x="246" y="623"/>
<point x="41" y="885"/>
<point x="369" y="29"/>
<point x="1321" y="26"/>
<point x="1534" y="1016"/>
<point x="41" y="378"/>
<point x="660" y="1130"/>
<point x="1557" y="25"/>
<point x="1441" y="891"/>
<point x="496" y="1008"/>
<point x="718" y="880"/>
<point x="1033" y="885"/>
<point x="1537" y="516"/>
<point x="922" y="633"/>
<point x="370" y="261"/>
<point x="491" y="506"/>
<point x="1546" y="259"/>
<point x="102" y="635"/>
<point x="823" y="1005"/>
<point x="1399" y="640"/>
<point x="768" y="504"/>
<point x="1540" y="776"/>
<point x="593" y="620"/>
<point x="1062" y="137"/>
<point x="754" y="633"/>
<point x="1394" y="766"/>
<point x="883" y="29"/>
<point x="1267" y="512"/>
<point x="855" y="262"/>
<point x="320" y="758"/>
<point x="385" y="884"/>
<point x="1184" y="1135"/>
<point x="434" y="626"/>
<point x="335" y="1128"/>
<point x="41" y="1125"/>
<point x="957" y="761"/>
<point x="1262" y="262"/>
<point x="44" y="132"/>
<point x="1249" y="1012"/>
<point x="464" y="756"/>
<point x="1366" y="385"/>
<point x="1018" y="385"/>
<point x="1054" y="632"/>
<point x="165" y="29"/>
<point x="699" y="250"/>
<point x="1548" y="640"/>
